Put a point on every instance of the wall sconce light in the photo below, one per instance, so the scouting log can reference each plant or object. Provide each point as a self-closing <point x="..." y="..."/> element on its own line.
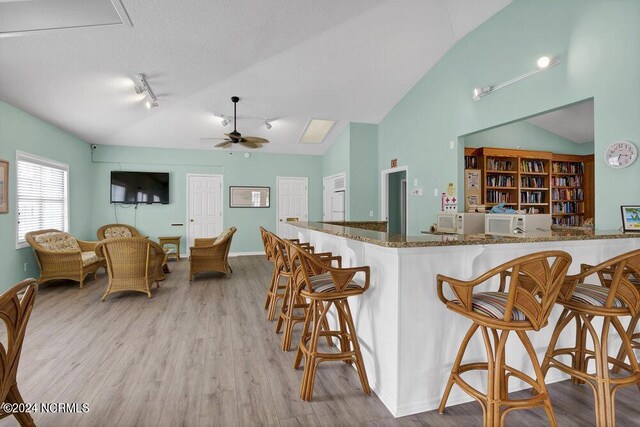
<point x="143" y="87"/>
<point x="543" y="63"/>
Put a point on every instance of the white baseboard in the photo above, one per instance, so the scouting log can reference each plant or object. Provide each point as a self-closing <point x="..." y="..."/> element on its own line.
<point x="246" y="253"/>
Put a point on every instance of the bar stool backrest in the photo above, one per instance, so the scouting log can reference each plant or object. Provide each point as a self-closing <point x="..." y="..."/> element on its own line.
<point x="306" y="265"/>
<point x="279" y="253"/>
<point x="16" y="305"/>
<point x="266" y="242"/>
<point x="618" y="274"/>
<point x="535" y="282"/>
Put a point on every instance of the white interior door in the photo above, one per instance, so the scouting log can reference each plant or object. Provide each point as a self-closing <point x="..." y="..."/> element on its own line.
<point x="204" y="206"/>
<point x="337" y="206"/>
<point x="292" y="203"/>
<point x="327" y="191"/>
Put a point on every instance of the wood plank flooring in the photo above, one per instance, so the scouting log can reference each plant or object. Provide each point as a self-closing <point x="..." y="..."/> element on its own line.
<point x="203" y="353"/>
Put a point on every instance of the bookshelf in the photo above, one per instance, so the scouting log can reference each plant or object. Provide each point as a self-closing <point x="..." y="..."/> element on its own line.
<point x="536" y="181"/>
<point x="572" y="192"/>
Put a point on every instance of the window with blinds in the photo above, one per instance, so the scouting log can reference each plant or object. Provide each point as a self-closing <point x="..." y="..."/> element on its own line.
<point x="42" y="195"/>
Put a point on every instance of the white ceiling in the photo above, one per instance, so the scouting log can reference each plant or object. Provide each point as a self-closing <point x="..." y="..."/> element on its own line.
<point x="287" y="60"/>
<point x="574" y="123"/>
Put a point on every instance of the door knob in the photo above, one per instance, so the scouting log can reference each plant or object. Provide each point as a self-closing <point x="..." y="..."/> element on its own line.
<point x="191" y="220"/>
<point x="280" y="219"/>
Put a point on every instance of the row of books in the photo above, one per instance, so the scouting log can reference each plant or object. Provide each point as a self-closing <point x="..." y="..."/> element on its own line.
<point x="531" y="197"/>
<point x="532" y="182"/>
<point x="532" y="166"/>
<point x="567" y="167"/>
<point x="499" y="165"/>
<point x="566" y="181"/>
<point x="576" y="220"/>
<point x="567" y="207"/>
<point x="494" y="196"/>
<point x="470" y="162"/>
<point x="500" y="181"/>
<point x="568" y="194"/>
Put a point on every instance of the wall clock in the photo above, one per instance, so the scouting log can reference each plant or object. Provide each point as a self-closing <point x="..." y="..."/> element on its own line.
<point x="620" y="154"/>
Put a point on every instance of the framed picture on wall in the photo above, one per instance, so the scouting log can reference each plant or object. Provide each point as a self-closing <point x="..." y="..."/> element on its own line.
<point x="4" y="186"/>
<point x="249" y="197"/>
<point x="630" y="218"/>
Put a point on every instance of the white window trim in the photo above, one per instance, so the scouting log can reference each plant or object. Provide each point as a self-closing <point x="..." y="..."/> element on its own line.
<point x="21" y="155"/>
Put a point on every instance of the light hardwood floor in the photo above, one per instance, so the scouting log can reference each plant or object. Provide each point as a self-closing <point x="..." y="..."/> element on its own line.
<point x="204" y="354"/>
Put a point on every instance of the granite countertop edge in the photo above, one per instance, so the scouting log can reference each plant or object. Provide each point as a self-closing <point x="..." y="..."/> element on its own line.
<point x="385" y="240"/>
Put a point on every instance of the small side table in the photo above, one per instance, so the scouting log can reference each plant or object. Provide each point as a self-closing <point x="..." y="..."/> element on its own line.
<point x="171" y="240"/>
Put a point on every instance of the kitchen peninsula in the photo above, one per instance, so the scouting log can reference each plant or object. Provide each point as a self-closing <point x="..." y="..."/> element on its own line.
<point x="409" y="339"/>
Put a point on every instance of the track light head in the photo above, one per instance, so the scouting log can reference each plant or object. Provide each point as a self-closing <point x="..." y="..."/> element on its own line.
<point x="479" y="92"/>
<point x="226" y="121"/>
<point x="143" y="87"/>
<point x="151" y="103"/>
<point x="267" y="124"/>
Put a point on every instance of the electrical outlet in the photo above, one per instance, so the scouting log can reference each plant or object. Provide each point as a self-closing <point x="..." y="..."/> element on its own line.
<point x="436" y="193"/>
<point x="452" y="145"/>
<point x="26" y="266"/>
<point x="370" y="213"/>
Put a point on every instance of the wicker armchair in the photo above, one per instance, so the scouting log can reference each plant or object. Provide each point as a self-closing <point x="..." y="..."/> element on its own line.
<point x="62" y="256"/>
<point x="111" y="231"/>
<point x="211" y="254"/>
<point x="16" y="305"/>
<point x="133" y="264"/>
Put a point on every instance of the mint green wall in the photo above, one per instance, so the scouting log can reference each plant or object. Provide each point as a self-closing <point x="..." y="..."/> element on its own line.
<point x="596" y="42"/>
<point x="337" y="160"/>
<point x="155" y="220"/>
<point x="528" y="137"/>
<point x="355" y="153"/>
<point x="23" y="132"/>
<point x="365" y="180"/>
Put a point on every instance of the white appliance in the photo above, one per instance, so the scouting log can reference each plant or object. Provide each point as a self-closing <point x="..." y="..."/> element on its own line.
<point x="337" y="206"/>
<point x="461" y="223"/>
<point x="514" y="224"/>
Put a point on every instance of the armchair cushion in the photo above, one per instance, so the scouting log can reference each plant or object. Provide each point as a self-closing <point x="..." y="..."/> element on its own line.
<point x="58" y="241"/>
<point x="89" y="258"/>
<point x="493" y="304"/>
<point x="116" y="231"/>
<point x="223" y="235"/>
<point x="594" y="295"/>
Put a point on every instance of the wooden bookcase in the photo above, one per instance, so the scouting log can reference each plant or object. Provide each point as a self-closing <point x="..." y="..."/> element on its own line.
<point x="531" y="180"/>
<point x="572" y="189"/>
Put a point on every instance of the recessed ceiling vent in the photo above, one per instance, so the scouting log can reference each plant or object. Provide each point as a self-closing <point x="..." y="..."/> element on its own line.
<point x="24" y="17"/>
<point x="316" y="131"/>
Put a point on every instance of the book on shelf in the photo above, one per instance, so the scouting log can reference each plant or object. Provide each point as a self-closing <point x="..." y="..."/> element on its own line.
<point x="532" y="166"/>
<point x="567" y="167"/>
<point x="566" y="181"/>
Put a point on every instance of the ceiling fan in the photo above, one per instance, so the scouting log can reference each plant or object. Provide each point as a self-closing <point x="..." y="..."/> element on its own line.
<point x="236" y="137"/>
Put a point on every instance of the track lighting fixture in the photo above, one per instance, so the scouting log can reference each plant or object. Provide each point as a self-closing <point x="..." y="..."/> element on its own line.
<point x="142" y="86"/>
<point x="267" y="124"/>
<point x="225" y="119"/>
<point x="543" y="63"/>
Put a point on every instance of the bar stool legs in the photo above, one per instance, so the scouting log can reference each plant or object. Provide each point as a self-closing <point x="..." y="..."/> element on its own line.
<point x="308" y="348"/>
<point x="276" y="293"/>
<point x="498" y="373"/>
<point x="604" y="386"/>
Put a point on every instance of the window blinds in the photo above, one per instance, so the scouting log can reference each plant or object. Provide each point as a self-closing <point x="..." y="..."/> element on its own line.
<point x="41" y="196"/>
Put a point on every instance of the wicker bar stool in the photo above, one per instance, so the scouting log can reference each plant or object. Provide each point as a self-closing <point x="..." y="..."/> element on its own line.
<point x="615" y="296"/>
<point x="533" y="282"/>
<point x="324" y="291"/>
<point x="292" y="300"/>
<point x="276" y="290"/>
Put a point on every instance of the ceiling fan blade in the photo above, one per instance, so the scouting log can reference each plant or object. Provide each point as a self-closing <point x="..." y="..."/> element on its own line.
<point x="214" y="139"/>
<point x="256" y="140"/>
<point x="250" y="144"/>
<point x="224" y="144"/>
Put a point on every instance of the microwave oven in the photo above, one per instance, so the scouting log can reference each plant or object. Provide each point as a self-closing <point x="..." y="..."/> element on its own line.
<point x="461" y="223"/>
<point x="513" y="224"/>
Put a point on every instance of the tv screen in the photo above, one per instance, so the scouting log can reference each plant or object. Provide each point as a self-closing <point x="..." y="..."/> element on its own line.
<point x="139" y="187"/>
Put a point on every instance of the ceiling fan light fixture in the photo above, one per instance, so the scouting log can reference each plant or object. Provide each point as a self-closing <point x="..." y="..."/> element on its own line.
<point x="316" y="131"/>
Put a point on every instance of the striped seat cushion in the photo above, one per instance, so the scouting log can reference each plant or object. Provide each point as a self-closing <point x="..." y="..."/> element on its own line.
<point x="493" y="304"/>
<point x="593" y="295"/>
<point x="324" y="283"/>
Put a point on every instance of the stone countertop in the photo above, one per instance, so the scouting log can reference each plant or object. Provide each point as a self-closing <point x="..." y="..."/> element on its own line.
<point x="432" y="239"/>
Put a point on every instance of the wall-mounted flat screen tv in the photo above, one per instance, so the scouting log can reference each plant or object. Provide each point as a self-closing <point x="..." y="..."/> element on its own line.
<point x="139" y="187"/>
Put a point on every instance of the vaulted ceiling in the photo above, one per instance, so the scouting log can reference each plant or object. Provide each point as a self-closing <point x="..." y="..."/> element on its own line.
<point x="287" y="60"/>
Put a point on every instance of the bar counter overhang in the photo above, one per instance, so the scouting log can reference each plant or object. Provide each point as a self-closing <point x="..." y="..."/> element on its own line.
<point x="409" y="339"/>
